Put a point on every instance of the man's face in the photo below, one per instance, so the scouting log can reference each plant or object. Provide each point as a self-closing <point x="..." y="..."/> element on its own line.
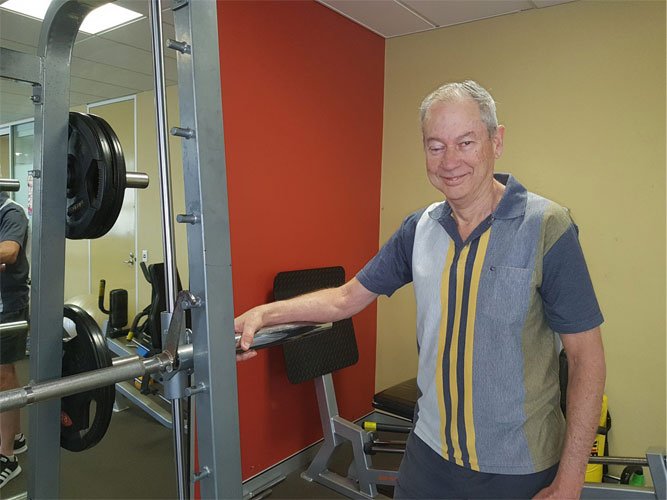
<point x="460" y="155"/>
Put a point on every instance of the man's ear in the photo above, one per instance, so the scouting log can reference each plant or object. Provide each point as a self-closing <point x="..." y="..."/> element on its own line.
<point x="498" y="141"/>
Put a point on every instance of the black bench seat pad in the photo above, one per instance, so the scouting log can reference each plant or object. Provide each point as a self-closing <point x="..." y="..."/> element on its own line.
<point x="399" y="399"/>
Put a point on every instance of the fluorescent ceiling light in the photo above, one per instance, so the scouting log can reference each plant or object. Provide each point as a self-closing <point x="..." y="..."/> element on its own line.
<point x="107" y="17"/>
<point x="103" y="18"/>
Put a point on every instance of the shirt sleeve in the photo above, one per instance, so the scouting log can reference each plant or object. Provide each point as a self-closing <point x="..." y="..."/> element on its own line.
<point x="391" y="268"/>
<point x="570" y="304"/>
<point x="13" y="226"/>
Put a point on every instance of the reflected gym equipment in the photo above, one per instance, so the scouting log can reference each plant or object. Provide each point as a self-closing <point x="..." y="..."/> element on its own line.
<point x="104" y="372"/>
<point x="214" y="381"/>
<point x="12" y="185"/>
<point x="96" y="177"/>
<point x="117" y="311"/>
<point x="84" y="350"/>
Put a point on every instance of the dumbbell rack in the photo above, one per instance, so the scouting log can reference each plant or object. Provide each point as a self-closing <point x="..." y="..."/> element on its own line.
<point x="219" y="469"/>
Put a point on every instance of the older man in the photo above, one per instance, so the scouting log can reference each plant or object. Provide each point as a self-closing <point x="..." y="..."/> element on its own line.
<point x="496" y="271"/>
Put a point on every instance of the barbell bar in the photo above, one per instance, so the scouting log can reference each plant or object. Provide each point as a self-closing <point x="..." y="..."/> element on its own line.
<point x="173" y="358"/>
<point x="125" y="368"/>
<point x="133" y="180"/>
<point x="136" y="180"/>
<point x="10" y="185"/>
<point x="14" y="326"/>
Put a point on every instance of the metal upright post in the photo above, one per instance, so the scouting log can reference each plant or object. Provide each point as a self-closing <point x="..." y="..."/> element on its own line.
<point x="209" y="257"/>
<point x="168" y="246"/>
<point x="51" y="98"/>
<point x="175" y="386"/>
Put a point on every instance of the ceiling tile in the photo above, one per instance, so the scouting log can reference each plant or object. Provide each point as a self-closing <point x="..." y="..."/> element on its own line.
<point x="121" y="77"/>
<point x="385" y="17"/>
<point x="447" y="13"/>
<point x="121" y="56"/>
<point x="11" y="44"/>
<point x="548" y="3"/>
<point x="103" y="90"/>
<point x="138" y="34"/>
<point x="143" y="8"/>
<point x="19" y="28"/>
<point x="15" y="103"/>
<point x="78" y="98"/>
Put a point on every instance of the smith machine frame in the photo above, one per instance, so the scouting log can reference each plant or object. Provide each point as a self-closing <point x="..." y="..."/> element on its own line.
<point x="204" y="170"/>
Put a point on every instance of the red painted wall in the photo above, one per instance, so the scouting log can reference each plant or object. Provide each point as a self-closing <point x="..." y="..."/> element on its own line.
<point x="302" y="93"/>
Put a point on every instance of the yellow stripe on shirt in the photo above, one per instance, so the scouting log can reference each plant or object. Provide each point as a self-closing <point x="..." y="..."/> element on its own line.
<point x="453" y="356"/>
<point x="444" y="294"/>
<point x="472" y="311"/>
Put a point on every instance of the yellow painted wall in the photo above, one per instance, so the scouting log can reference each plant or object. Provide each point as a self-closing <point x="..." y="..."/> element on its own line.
<point x="77" y="268"/>
<point x="581" y="89"/>
<point x="4" y="155"/>
<point x="149" y="219"/>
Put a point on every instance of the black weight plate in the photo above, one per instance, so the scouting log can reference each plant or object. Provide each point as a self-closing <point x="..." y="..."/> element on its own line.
<point x="112" y="200"/>
<point x="114" y="189"/>
<point x="118" y="175"/>
<point x="94" y="165"/>
<point x="85" y="352"/>
<point x="88" y="161"/>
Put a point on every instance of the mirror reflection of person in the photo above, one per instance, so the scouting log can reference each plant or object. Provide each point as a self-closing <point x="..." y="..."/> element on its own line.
<point x="497" y="270"/>
<point x="14" y="298"/>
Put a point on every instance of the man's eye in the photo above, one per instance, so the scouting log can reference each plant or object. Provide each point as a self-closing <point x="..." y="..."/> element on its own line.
<point x="466" y="143"/>
<point x="435" y="149"/>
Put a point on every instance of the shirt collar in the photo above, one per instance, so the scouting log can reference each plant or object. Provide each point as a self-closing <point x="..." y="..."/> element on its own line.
<point x="511" y="206"/>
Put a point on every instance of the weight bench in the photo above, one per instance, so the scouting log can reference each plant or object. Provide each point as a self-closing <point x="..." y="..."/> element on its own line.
<point x="399" y="400"/>
<point x="147" y="341"/>
<point x="315" y="357"/>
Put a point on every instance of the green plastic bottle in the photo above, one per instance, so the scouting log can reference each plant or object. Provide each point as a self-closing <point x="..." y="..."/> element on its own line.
<point x="637" y="478"/>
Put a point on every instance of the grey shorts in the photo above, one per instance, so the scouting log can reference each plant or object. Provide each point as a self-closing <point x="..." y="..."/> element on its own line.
<point x="425" y="474"/>
<point x="12" y="344"/>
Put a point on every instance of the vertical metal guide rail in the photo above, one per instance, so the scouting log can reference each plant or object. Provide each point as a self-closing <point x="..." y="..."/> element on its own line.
<point x="214" y="380"/>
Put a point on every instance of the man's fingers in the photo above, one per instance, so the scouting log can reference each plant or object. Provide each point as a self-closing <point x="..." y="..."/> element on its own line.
<point x="246" y="355"/>
<point x="247" y="336"/>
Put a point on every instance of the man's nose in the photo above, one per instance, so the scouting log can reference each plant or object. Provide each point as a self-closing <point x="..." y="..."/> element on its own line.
<point x="450" y="158"/>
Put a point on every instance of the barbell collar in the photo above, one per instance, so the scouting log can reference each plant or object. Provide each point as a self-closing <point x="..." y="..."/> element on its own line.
<point x="136" y="180"/>
<point x="14" y="398"/>
<point x="10" y="185"/>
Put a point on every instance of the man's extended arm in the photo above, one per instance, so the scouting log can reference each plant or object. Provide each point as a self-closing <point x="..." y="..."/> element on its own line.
<point x="322" y="306"/>
<point x="586" y="376"/>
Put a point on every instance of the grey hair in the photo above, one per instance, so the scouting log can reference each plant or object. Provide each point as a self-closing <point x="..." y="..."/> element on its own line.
<point x="456" y="91"/>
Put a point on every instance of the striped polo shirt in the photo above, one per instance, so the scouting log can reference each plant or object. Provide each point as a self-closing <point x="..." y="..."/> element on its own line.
<point x="487" y="310"/>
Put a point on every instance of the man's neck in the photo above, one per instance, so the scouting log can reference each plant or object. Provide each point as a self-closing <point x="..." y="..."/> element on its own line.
<point x="469" y="215"/>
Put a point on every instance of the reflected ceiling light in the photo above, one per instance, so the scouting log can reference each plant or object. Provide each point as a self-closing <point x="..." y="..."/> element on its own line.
<point x="103" y="18"/>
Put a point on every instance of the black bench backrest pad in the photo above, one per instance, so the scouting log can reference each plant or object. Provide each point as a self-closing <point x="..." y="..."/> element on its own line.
<point x="399" y="399"/>
<point x="320" y="353"/>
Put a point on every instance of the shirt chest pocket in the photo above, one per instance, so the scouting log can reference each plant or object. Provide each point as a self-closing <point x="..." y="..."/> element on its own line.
<point x="507" y="290"/>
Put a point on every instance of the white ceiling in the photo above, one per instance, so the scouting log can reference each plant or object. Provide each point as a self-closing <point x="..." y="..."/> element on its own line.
<point x="114" y="64"/>
<point x="391" y="18"/>
<point x="119" y="62"/>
